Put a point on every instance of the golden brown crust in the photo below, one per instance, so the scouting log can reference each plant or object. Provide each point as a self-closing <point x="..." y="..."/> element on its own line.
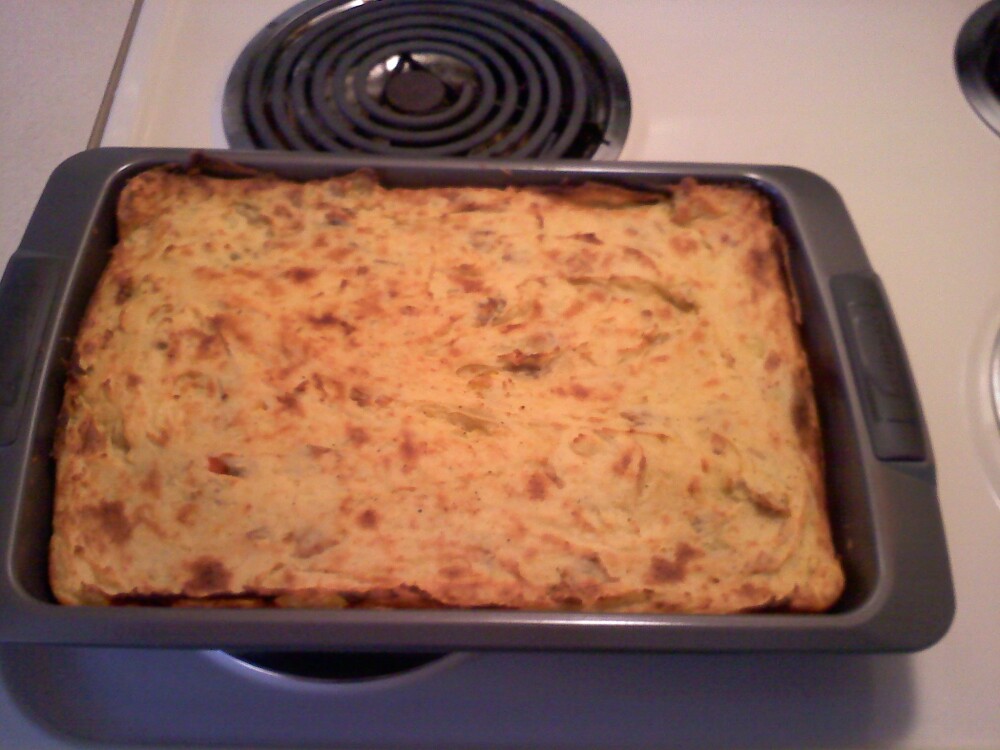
<point x="334" y="394"/>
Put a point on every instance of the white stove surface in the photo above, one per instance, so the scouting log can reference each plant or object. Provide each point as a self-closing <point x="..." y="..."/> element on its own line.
<point x="863" y="94"/>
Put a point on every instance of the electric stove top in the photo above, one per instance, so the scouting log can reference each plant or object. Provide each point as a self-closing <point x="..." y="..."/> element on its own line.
<point x="864" y="94"/>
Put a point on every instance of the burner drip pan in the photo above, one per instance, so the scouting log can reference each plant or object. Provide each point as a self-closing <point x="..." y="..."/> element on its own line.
<point x="335" y="666"/>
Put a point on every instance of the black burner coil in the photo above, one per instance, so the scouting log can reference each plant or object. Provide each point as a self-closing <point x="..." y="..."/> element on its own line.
<point x="476" y="78"/>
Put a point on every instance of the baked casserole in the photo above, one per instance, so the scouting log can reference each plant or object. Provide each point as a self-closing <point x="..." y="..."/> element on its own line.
<point x="338" y="394"/>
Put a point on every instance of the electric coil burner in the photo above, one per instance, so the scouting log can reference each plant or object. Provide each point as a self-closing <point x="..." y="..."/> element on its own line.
<point x="977" y="60"/>
<point x="518" y="79"/>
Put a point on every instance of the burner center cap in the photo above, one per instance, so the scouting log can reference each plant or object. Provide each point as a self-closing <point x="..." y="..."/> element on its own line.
<point x="415" y="91"/>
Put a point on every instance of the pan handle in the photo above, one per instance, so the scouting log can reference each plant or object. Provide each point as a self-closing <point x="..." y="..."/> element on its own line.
<point x="27" y="296"/>
<point x="888" y="396"/>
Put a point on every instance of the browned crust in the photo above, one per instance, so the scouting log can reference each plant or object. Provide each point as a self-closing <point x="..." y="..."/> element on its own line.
<point x="603" y="405"/>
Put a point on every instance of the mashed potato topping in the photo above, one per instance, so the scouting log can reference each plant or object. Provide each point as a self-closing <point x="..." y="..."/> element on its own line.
<point x="337" y="394"/>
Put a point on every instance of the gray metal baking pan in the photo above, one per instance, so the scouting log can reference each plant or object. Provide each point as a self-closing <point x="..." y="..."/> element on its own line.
<point x="880" y="470"/>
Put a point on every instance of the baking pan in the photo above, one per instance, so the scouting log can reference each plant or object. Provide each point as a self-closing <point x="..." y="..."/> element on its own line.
<point x="880" y="471"/>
